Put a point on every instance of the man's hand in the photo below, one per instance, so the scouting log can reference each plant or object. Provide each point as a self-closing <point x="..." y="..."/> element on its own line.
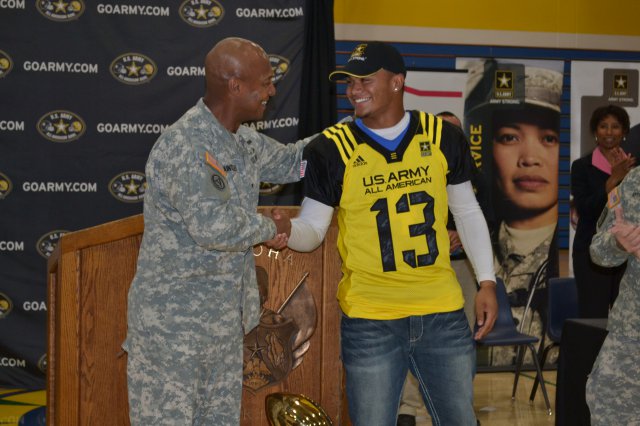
<point x="626" y="234"/>
<point x="283" y="229"/>
<point x="486" y="308"/>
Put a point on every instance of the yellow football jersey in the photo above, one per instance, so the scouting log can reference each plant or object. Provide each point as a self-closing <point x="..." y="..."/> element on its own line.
<point x="392" y="216"/>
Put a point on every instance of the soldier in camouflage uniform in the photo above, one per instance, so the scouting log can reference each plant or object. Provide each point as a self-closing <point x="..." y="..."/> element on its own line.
<point x="613" y="388"/>
<point x="195" y="289"/>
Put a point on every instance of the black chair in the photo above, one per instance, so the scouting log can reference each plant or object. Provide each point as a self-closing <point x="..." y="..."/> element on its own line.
<point x="563" y="304"/>
<point x="536" y="297"/>
<point x="505" y="333"/>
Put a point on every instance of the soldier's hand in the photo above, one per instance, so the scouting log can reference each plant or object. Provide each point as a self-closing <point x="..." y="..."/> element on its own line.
<point x="283" y="229"/>
<point x="278" y="242"/>
<point x="282" y="221"/>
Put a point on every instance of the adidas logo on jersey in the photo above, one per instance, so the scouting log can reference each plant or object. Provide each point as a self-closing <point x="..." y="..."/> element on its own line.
<point x="359" y="162"/>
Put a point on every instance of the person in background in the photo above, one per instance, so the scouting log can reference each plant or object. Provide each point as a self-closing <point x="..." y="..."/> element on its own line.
<point x="592" y="177"/>
<point x="195" y="293"/>
<point x="390" y="173"/>
<point x="613" y="387"/>
<point x="411" y="400"/>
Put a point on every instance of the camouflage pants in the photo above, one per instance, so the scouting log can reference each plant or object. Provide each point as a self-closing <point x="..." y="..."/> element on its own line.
<point x="613" y="388"/>
<point x="184" y="381"/>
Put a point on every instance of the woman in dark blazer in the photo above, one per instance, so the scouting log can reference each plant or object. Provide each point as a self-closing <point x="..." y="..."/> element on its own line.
<point x="592" y="178"/>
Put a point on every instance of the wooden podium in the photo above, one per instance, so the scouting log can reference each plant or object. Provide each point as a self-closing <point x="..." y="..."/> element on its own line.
<point x="89" y="275"/>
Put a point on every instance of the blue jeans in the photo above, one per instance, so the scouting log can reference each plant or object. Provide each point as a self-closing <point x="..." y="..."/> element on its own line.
<point x="438" y="349"/>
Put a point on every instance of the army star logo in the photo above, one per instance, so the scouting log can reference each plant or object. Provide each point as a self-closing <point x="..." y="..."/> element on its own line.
<point x="620" y="81"/>
<point x="504" y="80"/>
<point x="425" y="149"/>
<point x="133" y="68"/>
<point x="503" y="85"/>
<point x="129" y="187"/>
<point x="60" y="10"/>
<point x="201" y="13"/>
<point x="61" y="126"/>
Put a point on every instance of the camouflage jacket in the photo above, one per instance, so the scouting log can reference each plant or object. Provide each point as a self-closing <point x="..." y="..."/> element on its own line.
<point x="624" y="318"/>
<point x="196" y="271"/>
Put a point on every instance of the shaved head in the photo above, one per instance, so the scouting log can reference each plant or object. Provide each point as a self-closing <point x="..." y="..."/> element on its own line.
<point x="229" y="58"/>
<point x="239" y="81"/>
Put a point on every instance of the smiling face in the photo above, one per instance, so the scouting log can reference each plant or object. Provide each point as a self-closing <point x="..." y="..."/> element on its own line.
<point x="609" y="132"/>
<point x="526" y="161"/>
<point x="377" y="99"/>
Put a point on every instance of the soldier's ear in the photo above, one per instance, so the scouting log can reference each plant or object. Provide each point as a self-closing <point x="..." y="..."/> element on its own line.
<point x="234" y="85"/>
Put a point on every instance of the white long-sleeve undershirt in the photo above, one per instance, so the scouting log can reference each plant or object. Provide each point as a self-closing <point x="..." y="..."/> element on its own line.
<point x="309" y="228"/>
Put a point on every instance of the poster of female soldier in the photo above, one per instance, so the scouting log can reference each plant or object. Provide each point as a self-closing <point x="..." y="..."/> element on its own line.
<point x="512" y="119"/>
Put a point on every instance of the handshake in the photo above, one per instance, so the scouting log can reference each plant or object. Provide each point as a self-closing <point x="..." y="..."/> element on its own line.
<point x="283" y="228"/>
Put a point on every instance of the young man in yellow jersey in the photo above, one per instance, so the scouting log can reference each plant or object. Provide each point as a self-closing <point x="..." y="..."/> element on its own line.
<point x="393" y="174"/>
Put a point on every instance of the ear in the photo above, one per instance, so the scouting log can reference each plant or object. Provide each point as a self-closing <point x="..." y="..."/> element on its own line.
<point x="234" y="85"/>
<point x="398" y="82"/>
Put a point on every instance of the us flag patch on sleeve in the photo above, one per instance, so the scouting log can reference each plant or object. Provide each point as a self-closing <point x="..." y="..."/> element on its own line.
<point x="303" y="168"/>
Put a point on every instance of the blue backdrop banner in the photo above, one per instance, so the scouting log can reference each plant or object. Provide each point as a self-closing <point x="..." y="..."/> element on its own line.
<point x="86" y="88"/>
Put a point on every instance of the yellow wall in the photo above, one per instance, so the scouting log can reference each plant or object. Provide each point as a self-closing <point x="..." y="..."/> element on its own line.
<point x="621" y="17"/>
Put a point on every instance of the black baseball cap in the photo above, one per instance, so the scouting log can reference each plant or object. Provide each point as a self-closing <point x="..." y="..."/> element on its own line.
<point x="369" y="58"/>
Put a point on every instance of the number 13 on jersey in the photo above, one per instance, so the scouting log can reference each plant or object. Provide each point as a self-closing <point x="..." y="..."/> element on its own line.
<point x="387" y="212"/>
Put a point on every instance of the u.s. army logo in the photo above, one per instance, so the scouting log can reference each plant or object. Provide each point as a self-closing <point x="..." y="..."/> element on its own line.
<point x="425" y="149"/>
<point x="61" y="126"/>
<point x="280" y="67"/>
<point x="129" y="187"/>
<point x="48" y="242"/>
<point x="620" y="84"/>
<point x="5" y="186"/>
<point x="201" y="13"/>
<point x="6" y="64"/>
<point x="133" y="68"/>
<point x="60" y="10"/>
<point x="504" y="84"/>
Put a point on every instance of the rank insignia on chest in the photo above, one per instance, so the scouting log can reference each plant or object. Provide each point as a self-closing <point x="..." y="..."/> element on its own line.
<point x="425" y="149"/>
